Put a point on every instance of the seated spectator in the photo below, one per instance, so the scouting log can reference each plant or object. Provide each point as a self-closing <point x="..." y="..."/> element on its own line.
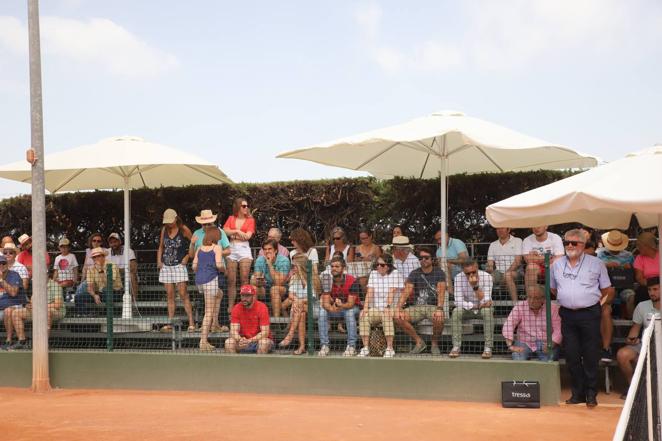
<point x="96" y="282"/>
<point x="403" y="258"/>
<point x="456" y="253"/>
<point x="116" y="256"/>
<point x="619" y="267"/>
<point x="270" y="274"/>
<point x="12" y="297"/>
<point x="93" y="241"/>
<point x="340" y="298"/>
<point x="504" y="258"/>
<point x="627" y="355"/>
<point x="6" y="240"/>
<point x="525" y="329"/>
<point x="384" y="286"/>
<point x="249" y="326"/>
<point x="534" y="248"/>
<point x="424" y="292"/>
<point x="56" y="311"/>
<point x="646" y="264"/>
<point x="65" y="266"/>
<point x="303" y="243"/>
<point x="398" y="230"/>
<point x="366" y="250"/>
<point x="10" y="252"/>
<point x="298" y="296"/>
<point x="25" y="256"/>
<point x="275" y="234"/>
<point x="473" y="299"/>
<point x="339" y="242"/>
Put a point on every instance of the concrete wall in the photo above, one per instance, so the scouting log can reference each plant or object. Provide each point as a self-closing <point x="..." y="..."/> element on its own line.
<point x="425" y="378"/>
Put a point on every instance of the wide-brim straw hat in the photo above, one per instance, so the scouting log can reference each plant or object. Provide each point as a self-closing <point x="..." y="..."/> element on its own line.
<point x="10" y="246"/>
<point x="614" y="240"/>
<point x="206" y="217"/>
<point x="401" y="242"/>
<point x="98" y="251"/>
<point x="23" y="238"/>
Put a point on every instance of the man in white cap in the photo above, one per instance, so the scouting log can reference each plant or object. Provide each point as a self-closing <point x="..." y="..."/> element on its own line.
<point x="116" y="256"/>
<point x="25" y="256"/>
<point x="619" y="263"/>
<point x="10" y="251"/>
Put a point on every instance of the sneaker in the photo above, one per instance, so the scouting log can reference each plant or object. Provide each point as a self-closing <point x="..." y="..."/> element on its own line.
<point x="324" y="351"/>
<point x="420" y="347"/>
<point x="487" y="353"/>
<point x="365" y="351"/>
<point x="21" y="344"/>
<point x="389" y="353"/>
<point x="6" y="346"/>
<point x="349" y="351"/>
<point x="455" y="352"/>
<point x="607" y="356"/>
<point x="435" y="350"/>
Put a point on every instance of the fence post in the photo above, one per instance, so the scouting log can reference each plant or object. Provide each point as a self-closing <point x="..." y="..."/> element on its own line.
<point x="311" y="299"/>
<point x="109" y="307"/>
<point x="548" y="307"/>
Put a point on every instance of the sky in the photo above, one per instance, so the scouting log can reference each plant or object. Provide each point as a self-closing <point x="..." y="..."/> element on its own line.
<point x="239" y="82"/>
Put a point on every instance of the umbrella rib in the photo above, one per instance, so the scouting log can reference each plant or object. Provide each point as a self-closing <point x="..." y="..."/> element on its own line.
<point x="424" y="165"/>
<point x="69" y="179"/>
<point x="489" y="158"/>
<point x="376" y="156"/>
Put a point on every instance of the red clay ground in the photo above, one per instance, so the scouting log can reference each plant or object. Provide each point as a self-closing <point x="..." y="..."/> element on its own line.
<point x="91" y="415"/>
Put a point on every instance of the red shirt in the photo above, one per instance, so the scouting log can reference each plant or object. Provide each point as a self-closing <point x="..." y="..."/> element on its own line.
<point x="343" y="292"/>
<point x="247" y="227"/>
<point x="250" y="319"/>
<point x="25" y="257"/>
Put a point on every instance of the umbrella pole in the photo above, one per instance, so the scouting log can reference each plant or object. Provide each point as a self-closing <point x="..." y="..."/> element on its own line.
<point x="126" y="298"/>
<point x="659" y="233"/>
<point x="444" y="202"/>
<point x="40" y="374"/>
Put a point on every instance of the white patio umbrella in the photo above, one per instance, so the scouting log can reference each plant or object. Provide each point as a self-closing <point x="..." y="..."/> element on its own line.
<point x="605" y="197"/>
<point x="125" y="162"/>
<point x="442" y="144"/>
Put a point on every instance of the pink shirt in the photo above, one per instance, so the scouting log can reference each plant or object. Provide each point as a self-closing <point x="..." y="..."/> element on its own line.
<point x="648" y="265"/>
<point x="531" y="326"/>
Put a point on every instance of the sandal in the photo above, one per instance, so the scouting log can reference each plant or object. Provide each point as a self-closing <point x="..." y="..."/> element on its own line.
<point x="454" y="353"/>
<point x="191" y="328"/>
<point x="285" y="342"/>
<point x="166" y="328"/>
<point x="299" y="351"/>
<point x="206" y="347"/>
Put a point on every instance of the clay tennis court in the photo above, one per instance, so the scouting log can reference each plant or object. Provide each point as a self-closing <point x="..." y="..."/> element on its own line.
<point x="88" y="415"/>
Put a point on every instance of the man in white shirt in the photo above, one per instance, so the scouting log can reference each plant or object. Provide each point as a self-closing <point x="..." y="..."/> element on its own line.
<point x="473" y="299"/>
<point x="534" y="248"/>
<point x="504" y="258"/>
<point x="116" y="256"/>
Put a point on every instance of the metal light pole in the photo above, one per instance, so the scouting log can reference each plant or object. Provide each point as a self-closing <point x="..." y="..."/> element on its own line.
<point x="40" y="377"/>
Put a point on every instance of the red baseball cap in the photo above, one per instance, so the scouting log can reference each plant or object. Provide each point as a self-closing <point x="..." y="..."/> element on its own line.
<point x="248" y="289"/>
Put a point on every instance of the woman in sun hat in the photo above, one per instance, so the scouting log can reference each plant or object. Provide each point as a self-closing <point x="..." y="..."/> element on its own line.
<point x="171" y="259"/>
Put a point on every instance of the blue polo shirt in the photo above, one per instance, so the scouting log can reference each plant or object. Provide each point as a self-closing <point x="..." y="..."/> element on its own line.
<point x="6" y="300"/>
<point x="282" y="265"/>
<point x="579" y="287"/>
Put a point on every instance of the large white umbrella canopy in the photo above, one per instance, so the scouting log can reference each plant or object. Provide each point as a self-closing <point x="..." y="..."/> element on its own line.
<point x="605" y="197"/>
<point x="442" y="144"/>
<point x="125" y="162"/>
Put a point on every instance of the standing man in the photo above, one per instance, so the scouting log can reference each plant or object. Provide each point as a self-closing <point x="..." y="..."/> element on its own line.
<point x="504" y="258"/>
<point x="534" y="248"/>
<point x="581" y="284"/>
<point x="116" y="256"/>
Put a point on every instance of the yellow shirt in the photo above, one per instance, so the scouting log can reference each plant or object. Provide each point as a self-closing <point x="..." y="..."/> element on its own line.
<point x="96" y="277"/>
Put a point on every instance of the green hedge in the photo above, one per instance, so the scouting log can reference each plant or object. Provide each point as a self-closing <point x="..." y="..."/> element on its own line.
<point x="314" y="205"/>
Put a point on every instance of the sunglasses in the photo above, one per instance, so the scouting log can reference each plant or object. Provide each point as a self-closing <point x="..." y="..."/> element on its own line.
<point x="574" y="243"/>
<point x="382" y="264"/>
<point x="244" y="205"/>
<point x="3" y="263"/>
<point x="425" y="258"/>
<point x="337" y="238"/>
<point x="97" y="257"/>
<point x="96" y="241"/>
<point x="470" y="273"/>
<point x="9" y="253"/>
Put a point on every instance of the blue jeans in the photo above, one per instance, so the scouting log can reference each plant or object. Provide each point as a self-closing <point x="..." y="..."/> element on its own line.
<point x="539" y="353"/>
<point x="350" y="322"/>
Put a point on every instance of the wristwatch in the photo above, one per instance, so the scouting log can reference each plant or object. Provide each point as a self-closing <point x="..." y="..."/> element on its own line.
<point x="475" y="288"/>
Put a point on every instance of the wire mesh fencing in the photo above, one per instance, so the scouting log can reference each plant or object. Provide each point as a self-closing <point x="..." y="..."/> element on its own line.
<point x="407" y="303"/>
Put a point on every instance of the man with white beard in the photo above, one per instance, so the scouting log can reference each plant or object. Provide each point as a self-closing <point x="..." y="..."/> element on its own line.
<point x="581" y="285"/>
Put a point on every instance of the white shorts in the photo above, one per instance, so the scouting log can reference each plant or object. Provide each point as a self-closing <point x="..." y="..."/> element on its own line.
<point x="173" y="274"/>
<point x="240" y="251"/>
<point x="209" y="288"/>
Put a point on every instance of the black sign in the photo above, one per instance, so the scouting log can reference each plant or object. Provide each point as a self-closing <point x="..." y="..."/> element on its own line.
<point x="520" y="394"/>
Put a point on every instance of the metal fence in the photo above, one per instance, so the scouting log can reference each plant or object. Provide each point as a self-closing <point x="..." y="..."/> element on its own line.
<point x="376" y="308"/>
